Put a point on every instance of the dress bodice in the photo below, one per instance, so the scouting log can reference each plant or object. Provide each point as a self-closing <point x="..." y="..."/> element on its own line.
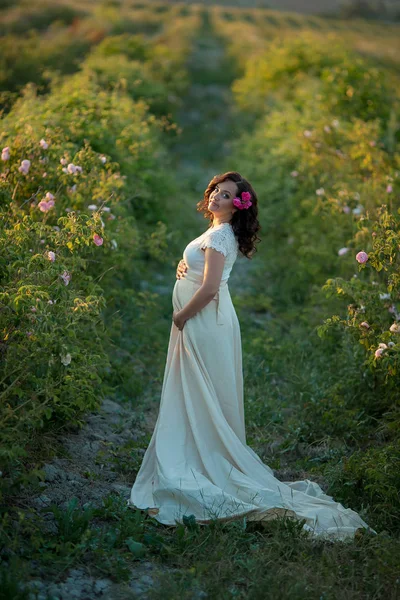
<point x="221" y="238"/>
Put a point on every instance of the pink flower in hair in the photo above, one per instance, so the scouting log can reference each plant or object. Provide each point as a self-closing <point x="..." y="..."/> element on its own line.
<point x="243" y="202"/>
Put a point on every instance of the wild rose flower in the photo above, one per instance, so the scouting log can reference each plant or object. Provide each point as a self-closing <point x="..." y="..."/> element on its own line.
<point x="378" y="352"/>
<point x="5" y="153"/>
<point x="51" y="256"/>
<point x="343" y="251"/>
<point x="24" y="168"/>
<point x="294" y="173"/>
<point x="346" y="209"/>
<point x="358" y="209"/>
<point x="78" y="169"/>
<point x="394" y="328"/>
<point x="92" y="207"/>
<point x="97" y="239"/>
<point x="66" y="277"/>
<point x="71" y="168"/>
<point x="389" y="189"/>
<point x="362" y="257"/>
<point x="49" y="196"/>
<point x="45" y="206"/>
<point x="63" y="161"/>
<point x="320" y="191"/>
<point x="365" y="324"/>
<point x="66" y="359"/>
<point x="44" y="144"/>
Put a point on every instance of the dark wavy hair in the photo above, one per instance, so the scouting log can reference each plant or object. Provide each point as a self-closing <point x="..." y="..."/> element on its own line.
<point x="244" y="222"/>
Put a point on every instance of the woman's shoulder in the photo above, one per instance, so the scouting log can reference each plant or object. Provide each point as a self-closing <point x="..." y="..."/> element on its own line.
<point x="221" y="238"/>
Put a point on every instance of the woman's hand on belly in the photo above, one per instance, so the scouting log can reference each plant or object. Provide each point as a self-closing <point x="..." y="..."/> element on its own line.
<point x="181" y="270"/>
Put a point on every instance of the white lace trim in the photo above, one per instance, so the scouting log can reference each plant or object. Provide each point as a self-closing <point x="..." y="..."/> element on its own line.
<point x="223" y="240"/>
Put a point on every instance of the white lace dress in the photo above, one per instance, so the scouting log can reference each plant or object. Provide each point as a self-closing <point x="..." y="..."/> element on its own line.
<point x="197" y="462"/>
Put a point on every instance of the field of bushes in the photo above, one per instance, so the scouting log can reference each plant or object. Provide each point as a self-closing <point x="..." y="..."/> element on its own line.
<point x="105" y="150"/>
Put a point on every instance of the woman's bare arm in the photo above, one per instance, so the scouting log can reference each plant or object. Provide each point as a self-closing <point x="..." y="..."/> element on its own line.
<point x="213" y="268"/>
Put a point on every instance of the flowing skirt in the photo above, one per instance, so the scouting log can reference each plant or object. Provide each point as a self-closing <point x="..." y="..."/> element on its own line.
<point x="197" y="462"/>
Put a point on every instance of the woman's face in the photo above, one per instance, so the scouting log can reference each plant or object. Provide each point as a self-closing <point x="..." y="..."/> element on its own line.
<point x="220" y="202"/>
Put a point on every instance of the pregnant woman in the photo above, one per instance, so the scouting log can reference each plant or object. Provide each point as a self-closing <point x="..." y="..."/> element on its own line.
<point x="197" y="462"/>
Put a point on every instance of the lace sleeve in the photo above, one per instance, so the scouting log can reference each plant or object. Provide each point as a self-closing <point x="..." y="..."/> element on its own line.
<point x="217" y="240"/>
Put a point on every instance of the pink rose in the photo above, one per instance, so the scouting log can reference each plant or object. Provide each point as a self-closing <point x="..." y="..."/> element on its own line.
<point x="45" y="206"/>
<point x="365" y="324"/>
<point x="362" y="257"/>
<point x="378" y="352"/>
<point x="51" y="256"/>
<point x="389" y="189"/>
<point x="66" y="277"/>
<point x="44" y="144"/>
<point x="49" y="196"/>
<point x="97" y="239"/>
<point x="5" y="153"/>
<point x="24" y="168"/>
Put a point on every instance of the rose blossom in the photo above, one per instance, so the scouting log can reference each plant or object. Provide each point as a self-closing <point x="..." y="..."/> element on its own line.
<point x="24" y="168"/>
<point x="66" y="277"/>
<point x="44" y="144"/>
<point x="5" y="153"/>
<point x="362" y="257"/>
<point x="51" y="256"/>
<point x="378" y="352"/>
<point x="365" y="324"/>
<point x="389" y="189"/>
<point x="394" y="328"/>
<point x="97" y="239"/>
